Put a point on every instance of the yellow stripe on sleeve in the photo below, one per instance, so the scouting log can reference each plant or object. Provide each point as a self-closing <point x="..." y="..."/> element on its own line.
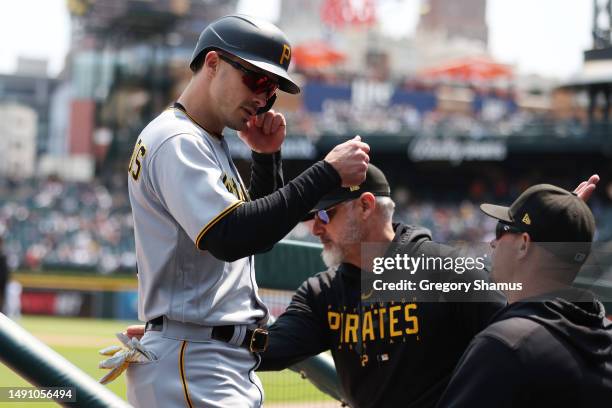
<point x="212" y="222"/>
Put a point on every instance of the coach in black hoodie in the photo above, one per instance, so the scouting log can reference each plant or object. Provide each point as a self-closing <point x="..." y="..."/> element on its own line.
<point x="552" y="345"/>
<point x="387" y="354"/>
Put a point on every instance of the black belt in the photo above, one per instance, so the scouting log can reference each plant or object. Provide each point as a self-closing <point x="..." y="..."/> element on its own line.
<point x="255" y="340"/>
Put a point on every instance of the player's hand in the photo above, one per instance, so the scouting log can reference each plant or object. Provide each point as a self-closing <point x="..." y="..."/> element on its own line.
<point x="119" y="358"/>
<point x="586" y="188"/>
<point x="265" y="133"/>
<point x="137" y="330"/>
<point x="350" y="159"/>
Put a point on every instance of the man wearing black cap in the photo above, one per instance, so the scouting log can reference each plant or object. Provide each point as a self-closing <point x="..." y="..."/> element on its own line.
<point x="552" y="345"/>
<point x="386" y="354"/>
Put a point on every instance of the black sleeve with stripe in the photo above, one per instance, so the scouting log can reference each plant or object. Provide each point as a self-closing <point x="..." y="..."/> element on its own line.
<point x="266" y="174"/>
<point x="257" y="225"/>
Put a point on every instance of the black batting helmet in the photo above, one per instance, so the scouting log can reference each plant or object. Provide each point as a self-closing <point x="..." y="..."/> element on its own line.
<point x="258" y="42"/>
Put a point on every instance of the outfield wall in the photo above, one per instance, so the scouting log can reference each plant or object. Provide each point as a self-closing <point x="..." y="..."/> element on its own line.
<point x="86" y="294"/>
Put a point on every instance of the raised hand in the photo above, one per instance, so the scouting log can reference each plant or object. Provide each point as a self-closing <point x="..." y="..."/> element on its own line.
<point x="265" y="133"/>
<point x="350" y="159"/>
<point x="586" y="188"/>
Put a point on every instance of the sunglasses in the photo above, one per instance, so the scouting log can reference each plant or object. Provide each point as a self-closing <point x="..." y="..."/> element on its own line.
<point x="326" y="215"/>
<point x="255" y="81"/>
<point x="504" y="228"/>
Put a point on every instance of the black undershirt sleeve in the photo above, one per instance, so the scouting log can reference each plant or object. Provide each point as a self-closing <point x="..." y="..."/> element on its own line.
<point x="266" y="174"/>
<point x="256" y="225"/>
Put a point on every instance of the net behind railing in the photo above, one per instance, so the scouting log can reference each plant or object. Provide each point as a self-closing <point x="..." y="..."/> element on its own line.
<point x="287" y="388"/>
<point x="279" y="273"/>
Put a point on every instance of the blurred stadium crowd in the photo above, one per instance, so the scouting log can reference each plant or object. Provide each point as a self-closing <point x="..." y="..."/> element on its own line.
<point x="342" y="119"/>
<point x="341" y="105"/>
<point x="56" y="224"/>
<point x="52" y="224"/>
<point x="489" y="113"/>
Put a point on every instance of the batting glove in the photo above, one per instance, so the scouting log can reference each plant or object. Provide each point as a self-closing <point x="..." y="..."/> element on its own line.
<point x="122" y="357"/>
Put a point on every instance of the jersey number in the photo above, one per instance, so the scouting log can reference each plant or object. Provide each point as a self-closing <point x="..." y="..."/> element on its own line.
<point x="135" y="162"/>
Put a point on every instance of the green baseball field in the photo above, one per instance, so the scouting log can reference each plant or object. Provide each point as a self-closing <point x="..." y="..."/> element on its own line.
<point x="79" y="340"/>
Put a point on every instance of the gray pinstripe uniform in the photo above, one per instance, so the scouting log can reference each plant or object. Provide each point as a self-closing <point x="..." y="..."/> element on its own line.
<point x="181" y="180"/>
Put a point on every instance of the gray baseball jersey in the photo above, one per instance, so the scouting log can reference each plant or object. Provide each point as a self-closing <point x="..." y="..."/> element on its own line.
<point x="181" y="181"/>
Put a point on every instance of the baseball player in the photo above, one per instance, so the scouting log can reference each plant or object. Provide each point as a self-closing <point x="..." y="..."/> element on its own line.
<point x="197" y="226"/>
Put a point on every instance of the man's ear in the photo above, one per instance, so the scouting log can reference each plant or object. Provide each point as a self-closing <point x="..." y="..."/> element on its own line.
<point x="211" y="63"/>
<point x="524" y="245"/>
<point x="367" y="204"/>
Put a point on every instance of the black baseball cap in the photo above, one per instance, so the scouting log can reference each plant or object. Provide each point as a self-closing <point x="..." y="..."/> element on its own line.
<point x="375" y="183"/>
<point x="550" y="214"/>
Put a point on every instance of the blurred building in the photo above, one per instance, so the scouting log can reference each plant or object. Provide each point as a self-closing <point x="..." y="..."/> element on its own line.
<point x="34" y="67"/>
<point x="595" y="78"/>
<point x="18" y="130"/>
<point x="450" y="30"/>
<point x="29" y="86"/>
<point x="352" y="29"/>
<point x="128" y="60"/>
<point x="456" y="19"/>
<point x="301" y="21"/>
<point x="447" y="30"/>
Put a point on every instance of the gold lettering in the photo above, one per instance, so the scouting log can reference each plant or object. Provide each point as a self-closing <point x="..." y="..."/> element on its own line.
<point x="393" y="320"/>
<point x="286" y="54"/>
<point x="233" y="187"/>
<point x="368" y="326"/>
<point x="333" y="318"/>
<point x="381" y="322"/>
<point x="136" y="148"/>
<point x="243" y="194"/>
<point x="135" y="165"/>
<point x="411" y="319"/>
<point x="352" y="322"/>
